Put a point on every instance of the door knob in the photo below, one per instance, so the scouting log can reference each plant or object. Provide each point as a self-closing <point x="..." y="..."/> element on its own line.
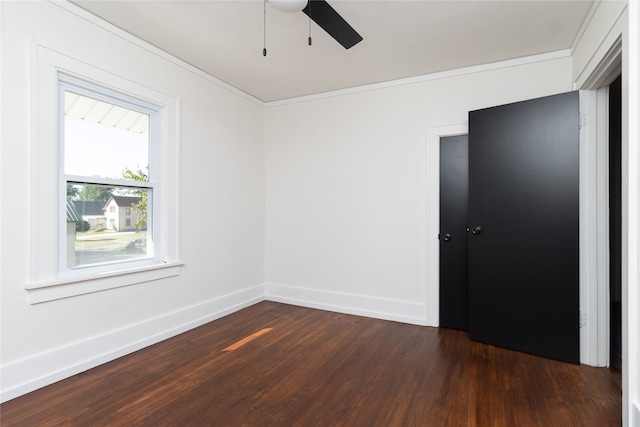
<point x="446" y="237"/>
<point x="476" y="230"/>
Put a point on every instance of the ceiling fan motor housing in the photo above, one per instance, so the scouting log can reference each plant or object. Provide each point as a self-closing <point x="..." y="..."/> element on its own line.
<point x="288" y="5"/>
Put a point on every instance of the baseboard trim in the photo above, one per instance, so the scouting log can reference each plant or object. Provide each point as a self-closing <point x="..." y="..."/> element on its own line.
<point x="32" y="373"/>
<point x="29" y="374"/>
<point x="356" y="304"/>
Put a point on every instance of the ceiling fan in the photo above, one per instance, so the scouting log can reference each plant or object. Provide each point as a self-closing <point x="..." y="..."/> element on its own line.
<point x="325" y="16"/>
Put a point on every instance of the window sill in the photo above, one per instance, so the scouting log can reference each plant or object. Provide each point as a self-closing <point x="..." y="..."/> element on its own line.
<point x="71" y="286"/>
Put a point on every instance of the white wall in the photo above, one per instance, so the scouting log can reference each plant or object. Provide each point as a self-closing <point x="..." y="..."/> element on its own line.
<point x="346" y="193"/>
<point x="222" y="207"/>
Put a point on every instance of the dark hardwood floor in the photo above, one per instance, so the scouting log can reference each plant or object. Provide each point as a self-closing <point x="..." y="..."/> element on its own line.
<point x="279" y="365"/>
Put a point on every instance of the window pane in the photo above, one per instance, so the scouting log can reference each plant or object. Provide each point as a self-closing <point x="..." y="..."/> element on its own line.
<point x="99" y="229"/>
<point x="102" y="139"/>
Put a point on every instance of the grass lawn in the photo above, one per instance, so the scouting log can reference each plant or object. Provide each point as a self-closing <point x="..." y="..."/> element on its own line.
<point x="107" y="239"/>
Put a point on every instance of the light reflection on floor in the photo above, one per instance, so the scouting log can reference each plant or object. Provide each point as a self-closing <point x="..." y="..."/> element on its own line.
<point x="247" y="339"/>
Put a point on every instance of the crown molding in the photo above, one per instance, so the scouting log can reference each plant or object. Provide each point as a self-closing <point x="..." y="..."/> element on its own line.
<point x="564" y="53"/>
<point x="89" y="17"/>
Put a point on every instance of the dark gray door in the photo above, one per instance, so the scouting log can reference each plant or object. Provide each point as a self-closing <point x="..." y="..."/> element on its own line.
<point x="454" y="181"/>
<point x="523" y="215"/>
<point x="615" y="223"/>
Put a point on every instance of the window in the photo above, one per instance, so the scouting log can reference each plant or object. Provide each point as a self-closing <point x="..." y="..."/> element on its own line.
<point x="106" y="138"/>
<point x="116" y="150"/>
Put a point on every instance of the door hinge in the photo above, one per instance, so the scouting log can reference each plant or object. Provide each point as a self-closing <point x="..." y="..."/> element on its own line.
<point x="582" y="120"/>
<point x="584" y="318"/>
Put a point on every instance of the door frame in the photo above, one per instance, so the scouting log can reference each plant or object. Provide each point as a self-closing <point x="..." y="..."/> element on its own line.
<point x="593" y="84"/>
<point x="619" y="50"/>
<point x="594" y="227"/>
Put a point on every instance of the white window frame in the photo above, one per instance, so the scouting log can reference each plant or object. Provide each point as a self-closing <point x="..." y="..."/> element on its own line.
<point x="50" y="278"/>
<point x="84" y="88"/>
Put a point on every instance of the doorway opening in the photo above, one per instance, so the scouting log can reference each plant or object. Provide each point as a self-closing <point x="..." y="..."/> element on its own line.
<point x="615" y="224"/>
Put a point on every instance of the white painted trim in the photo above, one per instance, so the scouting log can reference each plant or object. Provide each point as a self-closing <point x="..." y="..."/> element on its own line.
<point x="565" y="53"/>
<point x="608" y="52"/>
<point x="625" y="29"/>
<point x="80" y="285"/>
<point x="432" y="196"/>
<point x="89" y="17"/>
<point x="29" y="374"/>
<point x="594" y="228"/>
<point x="602" y="238"/>
<point x="607" y="69"/>
<point x="46" y="267"/>
<point x="587" y="224"/>
<point x="348" y="303"/>
<point x="585" y="25"/>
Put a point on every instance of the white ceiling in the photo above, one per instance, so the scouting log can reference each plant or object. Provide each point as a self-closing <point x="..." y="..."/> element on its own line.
<point x="401" y="38"/>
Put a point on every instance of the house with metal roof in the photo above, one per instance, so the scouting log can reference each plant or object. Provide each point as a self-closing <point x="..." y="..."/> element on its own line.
<point x="73" y="217"/>
<point x="92" y="211"/>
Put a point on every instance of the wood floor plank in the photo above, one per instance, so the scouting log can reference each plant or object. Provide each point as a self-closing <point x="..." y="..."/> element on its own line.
<point x="317" y="368"/>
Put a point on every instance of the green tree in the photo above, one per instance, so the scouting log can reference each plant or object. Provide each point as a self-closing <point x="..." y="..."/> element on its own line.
<point x="95" y="192"/>
<point x="72" y="192"/>
<point x="141" y="206"/>
<point x="83" y="226"/>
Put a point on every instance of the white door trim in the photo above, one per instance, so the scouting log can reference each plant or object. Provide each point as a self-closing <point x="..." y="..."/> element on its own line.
<point x="594" y="227"/>
<point x="593" y="82"/>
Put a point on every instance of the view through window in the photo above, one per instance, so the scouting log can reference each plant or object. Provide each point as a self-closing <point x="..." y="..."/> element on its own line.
<point x="106" y="169"/>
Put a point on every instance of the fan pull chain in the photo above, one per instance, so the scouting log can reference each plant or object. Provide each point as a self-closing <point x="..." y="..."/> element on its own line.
<point x="264" y="26"/>
<point x="310" y="1"/>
